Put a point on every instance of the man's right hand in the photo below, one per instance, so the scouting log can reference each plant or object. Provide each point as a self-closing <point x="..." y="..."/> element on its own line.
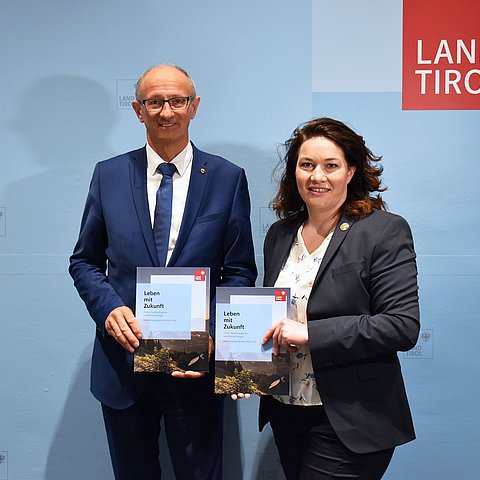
<point x="122" y="325"/>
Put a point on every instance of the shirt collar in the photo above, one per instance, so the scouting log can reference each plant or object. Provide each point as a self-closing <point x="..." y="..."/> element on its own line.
<point x="181" y="161"/>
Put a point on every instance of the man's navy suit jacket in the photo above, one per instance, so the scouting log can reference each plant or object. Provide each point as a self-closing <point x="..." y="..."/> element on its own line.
<point x="116" y="237"/>
<point x="362" y="309"/>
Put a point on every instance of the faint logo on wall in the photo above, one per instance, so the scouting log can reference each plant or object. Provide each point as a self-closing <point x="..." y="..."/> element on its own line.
<point x="125" y="94"/>
<point x="270" y="468"/>
<point x="424" y="346"/>
<point x="3" y="222"/>
<point x="267" y="217"/>
<point x="3" y="465"/>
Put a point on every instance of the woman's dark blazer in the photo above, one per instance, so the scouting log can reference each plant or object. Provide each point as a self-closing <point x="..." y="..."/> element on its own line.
<point x="363" y="309"/>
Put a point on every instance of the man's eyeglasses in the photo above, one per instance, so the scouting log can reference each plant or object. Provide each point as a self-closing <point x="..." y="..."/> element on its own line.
<point x="157" y="104"/>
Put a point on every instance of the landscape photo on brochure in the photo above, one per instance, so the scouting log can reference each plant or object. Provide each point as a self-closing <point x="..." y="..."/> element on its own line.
<point x="242" y="363"/>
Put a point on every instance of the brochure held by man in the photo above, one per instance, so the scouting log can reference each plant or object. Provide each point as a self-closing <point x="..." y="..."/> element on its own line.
<point x="173" y="310"/>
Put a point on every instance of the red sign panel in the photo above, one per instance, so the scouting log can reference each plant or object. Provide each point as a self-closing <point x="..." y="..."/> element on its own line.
<point x="441" y="55"/>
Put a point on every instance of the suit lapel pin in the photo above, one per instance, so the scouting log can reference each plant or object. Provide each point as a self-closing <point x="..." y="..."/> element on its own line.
<point x="202" y="171"/>
<point x="344" y="226"/>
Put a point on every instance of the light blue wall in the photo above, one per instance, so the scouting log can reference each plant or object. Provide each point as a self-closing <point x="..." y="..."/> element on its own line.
<point x="261" y="68"/>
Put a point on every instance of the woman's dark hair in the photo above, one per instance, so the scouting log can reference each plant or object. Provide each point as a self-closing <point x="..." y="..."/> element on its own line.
<point x="366" y="180"/>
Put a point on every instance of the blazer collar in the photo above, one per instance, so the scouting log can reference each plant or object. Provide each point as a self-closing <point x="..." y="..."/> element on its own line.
<point x="281" y="250"/>
<point x="196" y="191"/>
<point x="138" y="181"/>
<point x="283" y="244"/>
<point x="340" y="233"/>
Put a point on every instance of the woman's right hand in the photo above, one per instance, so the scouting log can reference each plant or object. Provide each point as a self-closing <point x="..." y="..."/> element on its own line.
<point x="287" y="334"/>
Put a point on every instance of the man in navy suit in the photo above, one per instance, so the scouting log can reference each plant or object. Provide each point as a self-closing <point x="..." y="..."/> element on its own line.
<point x="210" y="227"/>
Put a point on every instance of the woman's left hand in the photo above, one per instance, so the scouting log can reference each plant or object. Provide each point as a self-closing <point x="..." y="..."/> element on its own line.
<point x="287" y="334"/>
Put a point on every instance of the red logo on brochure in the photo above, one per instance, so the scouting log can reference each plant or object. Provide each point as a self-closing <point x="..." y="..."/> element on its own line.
<point x="280" y="296"/>
<point x="199" y="275"/>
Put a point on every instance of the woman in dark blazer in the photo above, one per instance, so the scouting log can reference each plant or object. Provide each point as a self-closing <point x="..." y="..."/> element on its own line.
<point x="353" y="278"/>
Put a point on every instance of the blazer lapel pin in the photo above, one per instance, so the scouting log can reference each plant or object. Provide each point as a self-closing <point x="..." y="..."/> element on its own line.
<point x="344" y="227"/>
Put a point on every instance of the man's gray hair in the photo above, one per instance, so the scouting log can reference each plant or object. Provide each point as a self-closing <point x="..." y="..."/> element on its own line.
<point x="180" y="69"/>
